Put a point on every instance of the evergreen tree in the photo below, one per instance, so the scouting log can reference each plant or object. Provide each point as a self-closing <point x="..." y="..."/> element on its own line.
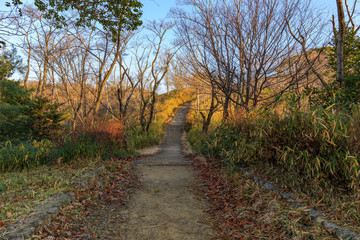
<point x="22" y="116"/>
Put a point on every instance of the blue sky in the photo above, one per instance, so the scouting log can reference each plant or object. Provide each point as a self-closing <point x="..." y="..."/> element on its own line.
<point x="157" y="9"/>
<point x="153" y="9"/>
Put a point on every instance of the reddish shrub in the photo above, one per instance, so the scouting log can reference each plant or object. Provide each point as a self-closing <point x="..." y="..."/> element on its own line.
<point x="105" y="131"/>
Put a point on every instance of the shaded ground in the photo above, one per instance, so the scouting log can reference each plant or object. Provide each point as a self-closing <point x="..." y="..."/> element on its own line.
<point x="164" y="206"/>
<point x="242" y="209"/>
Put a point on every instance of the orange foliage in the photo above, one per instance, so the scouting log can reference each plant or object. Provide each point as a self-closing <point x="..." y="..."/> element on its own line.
<point x="105" y="131"/>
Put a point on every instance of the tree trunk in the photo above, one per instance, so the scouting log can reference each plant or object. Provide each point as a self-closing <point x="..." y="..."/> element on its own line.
<point x="103" y="83"/>
<point x="226" y="108"/>
<point x="167" y="82"/>
<point x="197" y="101"/>
<point x="340" y="42"/>
<point x="27" y="68"/>
<point x="152" y="108"/>
<point x="212" y="109"/>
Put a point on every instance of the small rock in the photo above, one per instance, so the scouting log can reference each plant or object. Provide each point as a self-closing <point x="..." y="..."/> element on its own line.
<point x="269" y="186"/>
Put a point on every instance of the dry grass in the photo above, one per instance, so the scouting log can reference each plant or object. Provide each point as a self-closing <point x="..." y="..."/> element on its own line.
<point x="291" y="223"/>
<point x="338" y="206"/>
<point x="241" y="209"/>
<point x="187" y="149"/>
<point x="150" y="151"/>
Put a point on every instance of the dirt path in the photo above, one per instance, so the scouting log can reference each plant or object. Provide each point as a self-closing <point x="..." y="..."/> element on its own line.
<point x="164" y="206"/>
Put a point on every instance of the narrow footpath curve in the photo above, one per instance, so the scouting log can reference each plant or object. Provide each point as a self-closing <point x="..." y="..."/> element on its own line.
<point x="164" y="206"/>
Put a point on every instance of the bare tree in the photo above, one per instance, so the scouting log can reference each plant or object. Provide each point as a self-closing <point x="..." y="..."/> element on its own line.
<point x="241" y="45"/>
<point x="309" y="65"/>
<point x="23" y="27"/>
<point x="72" y="70"/>
<point x="178" y="74"/>
<point x="45" y="47"/>
<point x="152" y="61"/>
<point x="7" y="18"/>
<point x="205" y="88"/>
<point x="105" y="52"/>
<point x="125" y="88"/>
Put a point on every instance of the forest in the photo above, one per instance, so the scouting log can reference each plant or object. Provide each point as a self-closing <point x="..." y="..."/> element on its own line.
<point x="273" y="88"/>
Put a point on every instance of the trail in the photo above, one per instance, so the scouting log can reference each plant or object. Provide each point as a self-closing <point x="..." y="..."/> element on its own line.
<point x="164" y="206"/>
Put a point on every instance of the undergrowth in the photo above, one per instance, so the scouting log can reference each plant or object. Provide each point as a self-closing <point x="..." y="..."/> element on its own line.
<point x="21" y="155"/>
<point x="137" y="139"/>
<point x="244" y="210"/>
<point x="21" y="191"/>
<point x="313" y="151"/>
<point x="320" y="144"/>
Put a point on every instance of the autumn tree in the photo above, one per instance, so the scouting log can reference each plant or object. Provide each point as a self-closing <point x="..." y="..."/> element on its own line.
<point x="241" y="45"/>
<point x="126" y="86"/>
<point x="152" y="65"/>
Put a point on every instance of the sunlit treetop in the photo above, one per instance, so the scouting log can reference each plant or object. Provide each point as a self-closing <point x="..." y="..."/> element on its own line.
<point x="113" y="15"/>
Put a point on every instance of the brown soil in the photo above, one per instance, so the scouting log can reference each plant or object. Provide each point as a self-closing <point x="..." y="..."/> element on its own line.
<point x="165" y="205"/>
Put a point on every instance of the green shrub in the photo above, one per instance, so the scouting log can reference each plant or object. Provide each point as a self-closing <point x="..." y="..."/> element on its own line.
<point x="26" y="118"/>
<point x="19" y="155"/>
<point x="315" y="143"/>
<point x="137" y="139"/>
<point x="86" y="147"/>
<point x="320" y="144"/>
<point x="23" y="155"/>
<point x="44" y="117"/>
<point x="72" y="149"/>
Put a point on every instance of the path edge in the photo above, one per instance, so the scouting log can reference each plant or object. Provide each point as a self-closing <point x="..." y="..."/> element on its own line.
<point x="316" y="216"/>
<point x="42" y="214"/>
